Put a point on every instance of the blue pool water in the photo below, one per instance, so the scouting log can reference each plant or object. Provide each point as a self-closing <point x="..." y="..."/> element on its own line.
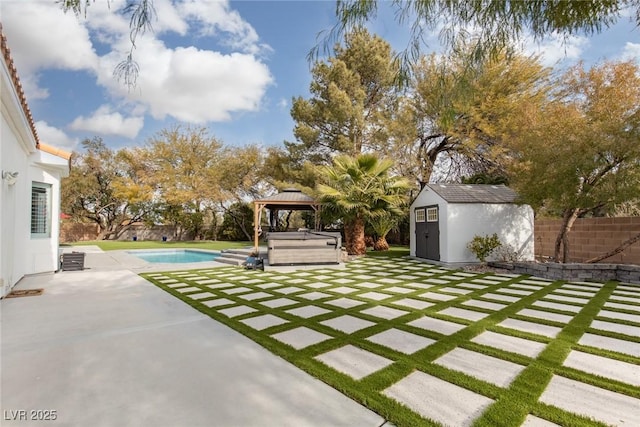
<point x="175" y="256"/>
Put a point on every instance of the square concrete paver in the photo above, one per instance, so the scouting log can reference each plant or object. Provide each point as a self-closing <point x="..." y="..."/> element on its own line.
<point x="404" y="342"/>
<point x="558" y="306"/>
<point x="441" y="326"/>
<point x="313" y="295"/>
<point x="308" y="311"/>
<point x="301" y="337"/>
<point x="237" y="311"/>
<point x="508" y="343"/>
<point x="347" y="324"/>
<point x="384" y="312"/>
<point x="376" y="296"/>
<point x="438" y="297"/>
<point x="296" y="281"/>
<point x="453" y="290"/>
<point x="412" y="303"/>
<point x="343" y="281"/>
<point x="622" y="306"/>
<point x="484" y="304"/>
<point x="263" y="322"/>
<point x="177" y="285"/>
<point x="343" y="289"/>
<point x="514" y="291"/>
<point x="189" y="289"/>
<point x="463" y="314"/>
<point x="438" y="400"/>
<point x="490" y="369"/>
<point x="201" y="295"/>
<point x="605" y="367"/>
<point x="539" y="314"/>
<point x="254" y="296"/>
<point x="533" y="328"/>
<point x="345" y="302"/>
<point x="289" y="290"/>
<point x="500" y="297"/>
<point x="318" y="285"/>
<point x="621" y="316"/>
<point x="557" y="297"/>
<point x="633" y="331"/>
<point x="354" y="361"/>
<point x="220" y="285"/>
<point x="278" y="302"/>
<point x="612" y="344"/>
<point x="268" y="285"/>
<point x="607" y="406"/>
<point x="217" y="302"/>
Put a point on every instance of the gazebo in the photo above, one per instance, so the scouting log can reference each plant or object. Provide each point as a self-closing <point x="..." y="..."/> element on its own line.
<point x="288" y="199"/>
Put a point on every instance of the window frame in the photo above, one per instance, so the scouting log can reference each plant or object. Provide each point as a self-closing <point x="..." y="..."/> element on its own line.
<point x="41" y="229"/>
<point x="432" y="218"/>
<point x="422" y="217"/>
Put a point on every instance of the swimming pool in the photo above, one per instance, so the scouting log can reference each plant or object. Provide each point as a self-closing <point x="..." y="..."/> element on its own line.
<point x="175" y="256"/>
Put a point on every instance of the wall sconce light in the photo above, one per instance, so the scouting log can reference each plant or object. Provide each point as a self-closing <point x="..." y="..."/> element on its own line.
<point x="10" y="177"/>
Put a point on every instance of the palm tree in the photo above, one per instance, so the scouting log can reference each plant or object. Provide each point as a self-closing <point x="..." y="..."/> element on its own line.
<point x="360" y="189"/>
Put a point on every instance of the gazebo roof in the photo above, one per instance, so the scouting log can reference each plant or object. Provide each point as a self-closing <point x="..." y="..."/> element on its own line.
<point x="290" y="198"/>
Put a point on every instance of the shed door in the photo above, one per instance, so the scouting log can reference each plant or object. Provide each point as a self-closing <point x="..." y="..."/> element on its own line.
<point x="427" y="232"/>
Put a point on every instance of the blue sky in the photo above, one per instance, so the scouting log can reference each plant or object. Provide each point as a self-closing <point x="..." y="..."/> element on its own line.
<point x="232" y="67"/>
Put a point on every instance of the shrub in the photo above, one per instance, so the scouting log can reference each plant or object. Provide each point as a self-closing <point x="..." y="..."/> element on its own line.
<point x="483" y="246"/>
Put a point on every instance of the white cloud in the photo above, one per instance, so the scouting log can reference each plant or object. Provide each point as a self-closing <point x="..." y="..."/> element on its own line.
<point x="191" y="84"/>
<point x="187" y="83"/>
<point x="56" y="137"/>
<point x="556" y="48"/>
<point x="42" y="36"/>
<point x="107" y="122"/>
<point x="631" y="51"/>
<point x="283" y="103"/>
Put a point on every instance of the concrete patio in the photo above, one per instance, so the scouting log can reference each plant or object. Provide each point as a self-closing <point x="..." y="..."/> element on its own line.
<point x="104" y="347"/>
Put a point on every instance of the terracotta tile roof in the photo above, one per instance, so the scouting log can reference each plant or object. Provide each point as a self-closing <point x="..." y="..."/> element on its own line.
<point x="6" y="54"/>
<point x="474" y="193"/>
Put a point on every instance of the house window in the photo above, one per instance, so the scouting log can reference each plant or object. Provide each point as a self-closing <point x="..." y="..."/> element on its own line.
<point x="432" y="215"/>
<point x="419" y="215"/>
<point x="40" y="210"/>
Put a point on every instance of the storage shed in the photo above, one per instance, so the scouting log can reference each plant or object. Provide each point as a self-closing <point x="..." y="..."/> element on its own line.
<point x="444" y="218"/>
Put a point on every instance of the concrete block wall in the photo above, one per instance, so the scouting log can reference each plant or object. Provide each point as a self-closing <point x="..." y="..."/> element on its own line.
<point x="590" y="237"/>
<point x="575" y="272"/>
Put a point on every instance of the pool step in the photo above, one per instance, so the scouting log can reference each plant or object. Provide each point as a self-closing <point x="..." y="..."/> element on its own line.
<point x="235" y="256"/>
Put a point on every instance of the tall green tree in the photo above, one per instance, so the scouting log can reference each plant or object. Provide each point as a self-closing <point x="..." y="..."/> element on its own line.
<point x="493" y="24"/>
<point x="185" y="164"/>
<point x="359" y="189"/>
<point x="106" y="188"/>
<point x="353" y="94"/>
<point x="581" y="154"/>
<point x="458" y="114"/>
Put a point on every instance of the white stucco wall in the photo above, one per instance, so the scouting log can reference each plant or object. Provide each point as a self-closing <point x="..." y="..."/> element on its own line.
<point x="20" y="254"/>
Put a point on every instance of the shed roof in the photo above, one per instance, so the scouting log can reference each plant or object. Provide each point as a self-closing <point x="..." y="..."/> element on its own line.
<point x="288" y="195"/>
<point x="474" y="193"/>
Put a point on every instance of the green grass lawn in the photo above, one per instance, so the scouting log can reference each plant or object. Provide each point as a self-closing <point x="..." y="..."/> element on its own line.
<point x="234" y="297"/>
<point x="111" y="245"/>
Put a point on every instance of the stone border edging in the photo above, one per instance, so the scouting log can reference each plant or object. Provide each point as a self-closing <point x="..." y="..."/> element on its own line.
<point x="574" y="271"/>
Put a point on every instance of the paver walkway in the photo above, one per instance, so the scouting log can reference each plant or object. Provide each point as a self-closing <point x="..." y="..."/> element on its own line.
<point x="453" y="347"/>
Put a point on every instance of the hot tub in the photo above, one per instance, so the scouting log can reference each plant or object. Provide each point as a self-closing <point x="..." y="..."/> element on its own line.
<point x="303" y="247"/>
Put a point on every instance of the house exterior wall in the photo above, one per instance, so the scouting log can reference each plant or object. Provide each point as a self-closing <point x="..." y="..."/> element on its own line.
<point x="20" y="254"/>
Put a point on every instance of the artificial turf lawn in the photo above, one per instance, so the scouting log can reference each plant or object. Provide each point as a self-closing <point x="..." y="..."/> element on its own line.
<point x="512" y="403"/>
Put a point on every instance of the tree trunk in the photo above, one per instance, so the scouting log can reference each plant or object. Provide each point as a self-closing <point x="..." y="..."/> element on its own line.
<point x="568" y="218"/>
<point x="354" y="237"/>
<point x="381" y="244"/>
<point x="624" y="245"/>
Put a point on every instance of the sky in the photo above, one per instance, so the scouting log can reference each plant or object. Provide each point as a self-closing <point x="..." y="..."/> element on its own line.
<point x="230" y="66"/>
